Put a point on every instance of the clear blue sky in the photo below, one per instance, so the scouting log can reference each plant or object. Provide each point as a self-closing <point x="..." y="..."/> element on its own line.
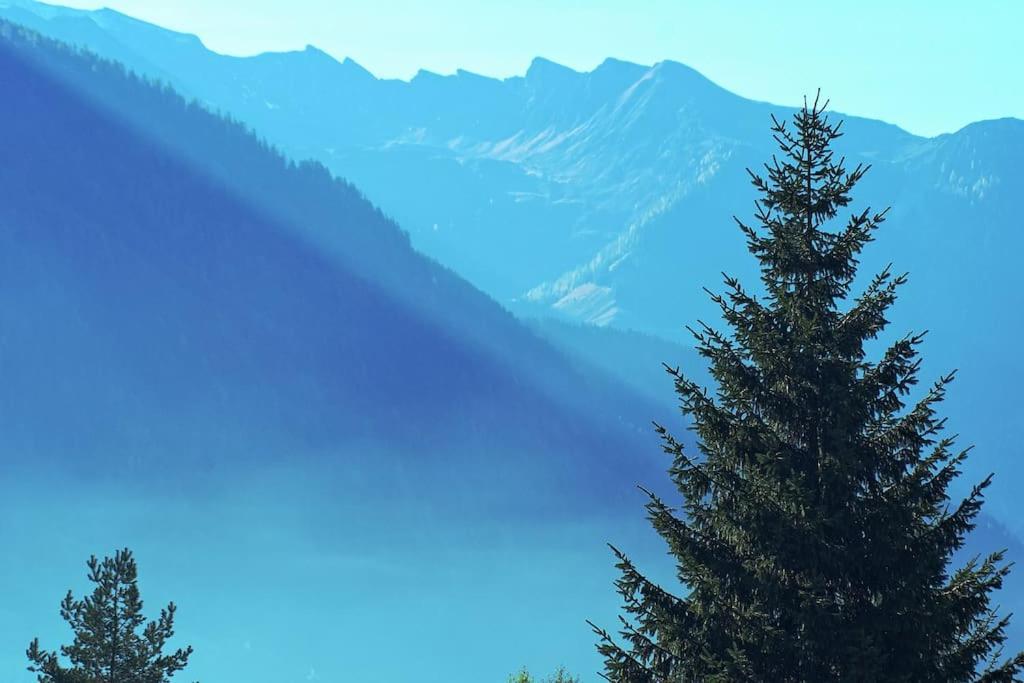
<point x="930" y="66"/>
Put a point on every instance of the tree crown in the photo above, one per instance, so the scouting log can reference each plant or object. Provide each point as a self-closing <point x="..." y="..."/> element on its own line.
<point x="815" y="529"/>
<point x="113" y="642"/>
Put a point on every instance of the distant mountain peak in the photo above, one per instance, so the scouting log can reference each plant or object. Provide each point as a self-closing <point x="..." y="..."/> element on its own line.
<point x="679" y="69"/>
<point x="620" y="66"/>
<point x="313" y="52"/>
<point x="472" y="75"/>
<point x="355" y="67"/>
<point x="314" y="60"/>
<point x="424" y="75"/>
<point x="542" y="68"/>
<point x="1006" y="124"/>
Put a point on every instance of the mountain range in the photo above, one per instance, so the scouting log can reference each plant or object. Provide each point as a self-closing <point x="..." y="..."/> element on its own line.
<point x="241" y="263"/>
<point x="480" y="171"/>
<point x="210" y="316"/>
<point x="200" y="336"/>
<point x="607" y="197"/>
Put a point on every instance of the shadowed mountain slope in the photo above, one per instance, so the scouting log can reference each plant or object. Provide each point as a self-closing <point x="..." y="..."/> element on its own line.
<point x="160" y="264"/>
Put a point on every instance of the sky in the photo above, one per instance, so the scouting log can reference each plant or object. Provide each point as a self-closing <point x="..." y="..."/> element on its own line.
<point x="930" y="66"/>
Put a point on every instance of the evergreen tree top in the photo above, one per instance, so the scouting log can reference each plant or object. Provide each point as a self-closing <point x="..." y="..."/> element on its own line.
<point x="113" y="642"/>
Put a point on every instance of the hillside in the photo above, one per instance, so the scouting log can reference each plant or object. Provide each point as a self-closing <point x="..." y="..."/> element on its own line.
<point x="241" y="262"/>
<point x="606" y="197"/>
<point x="240" y="368"/>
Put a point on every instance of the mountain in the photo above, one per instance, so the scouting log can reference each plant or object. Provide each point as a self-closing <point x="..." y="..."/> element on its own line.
<point x="239" y="367"/>
<point x="480" y="171"/>
<point x="603" y="197"/>
<point x="110" y="181"/>
<point x="593" y="166"/>
<point x="606" y="197"/>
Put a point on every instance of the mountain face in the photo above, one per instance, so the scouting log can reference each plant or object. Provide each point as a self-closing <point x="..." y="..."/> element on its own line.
<point x="606" y="197"/>
<point x="240" y="368"/>
<point x="578" y="194"/>
<point x="149" y="242"/>
<point x="516" y="184"/>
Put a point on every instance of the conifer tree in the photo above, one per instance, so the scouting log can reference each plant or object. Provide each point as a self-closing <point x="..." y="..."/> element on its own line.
<point x="113" y="643"/>
<point x="815" y="532"/>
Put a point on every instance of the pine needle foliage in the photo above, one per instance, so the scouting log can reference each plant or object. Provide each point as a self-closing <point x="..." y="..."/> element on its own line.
<point x="816" y="531"/>
<point x="113" y="642"/>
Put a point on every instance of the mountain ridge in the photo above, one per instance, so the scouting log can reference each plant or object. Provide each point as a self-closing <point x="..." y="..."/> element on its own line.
<point x="392" y="287"/>
<point x="613" y="206"/>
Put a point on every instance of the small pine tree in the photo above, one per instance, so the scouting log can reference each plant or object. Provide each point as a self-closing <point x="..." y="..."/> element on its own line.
<point x="816" y="531"/>
<point x="113" y="644"/>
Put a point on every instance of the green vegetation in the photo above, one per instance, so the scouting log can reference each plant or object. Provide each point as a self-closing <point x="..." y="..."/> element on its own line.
<point x="816" y="531"/>
<point x="113" y="643"/>
<point x="560" y="676"/>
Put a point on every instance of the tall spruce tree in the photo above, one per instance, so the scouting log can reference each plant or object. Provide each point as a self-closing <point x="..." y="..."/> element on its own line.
<point x="113" y="643"/>
<point x="815" y="532"/>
